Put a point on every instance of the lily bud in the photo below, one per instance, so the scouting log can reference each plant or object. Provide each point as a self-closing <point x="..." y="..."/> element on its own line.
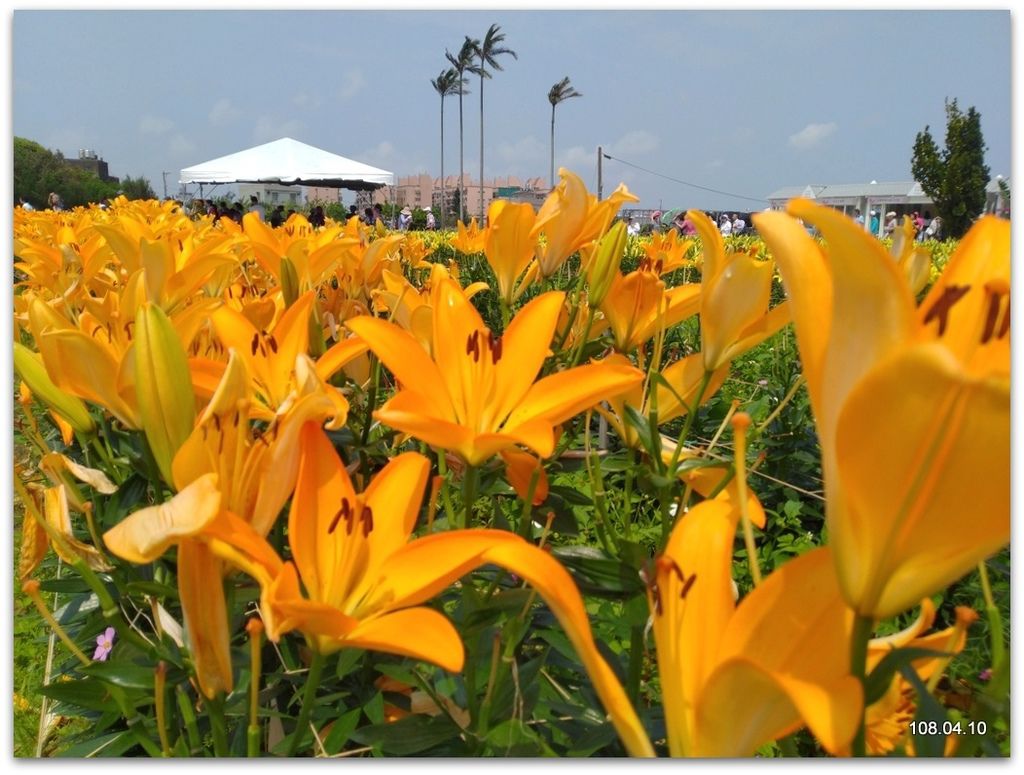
<point x="289" y="282"/>
<point x="31" y="369"/>
<point x="163" y="386"/>
<point x="604" y="264"/>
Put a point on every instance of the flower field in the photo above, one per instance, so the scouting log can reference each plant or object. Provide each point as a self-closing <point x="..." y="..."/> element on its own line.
<point x="534" y="489"/>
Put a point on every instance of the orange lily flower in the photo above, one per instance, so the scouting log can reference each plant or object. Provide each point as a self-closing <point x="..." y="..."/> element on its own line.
<point x="571" y="218"/>
<point x="638" y="305"/>
<point x="509" y="245"/>
<point x="734" y="677"/>
<point x="477" y="395"/>
<point x="366" y="581"/>
<point x="735" y="291"/>
<point x="910" y="402"/>
<point x="471" y="239"/>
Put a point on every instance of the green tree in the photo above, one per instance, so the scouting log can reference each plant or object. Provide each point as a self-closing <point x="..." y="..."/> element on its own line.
<point x="38" y="172"/>
<point x="560" y="92"/>
<point x="955" y="176"/>
<point x="137" y="188"/>
<point x="488" y="49"/>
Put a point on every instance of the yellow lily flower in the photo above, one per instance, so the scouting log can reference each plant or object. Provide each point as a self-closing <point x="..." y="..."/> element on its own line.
<point x="477" y="395"/>
<point x="684" y="376"/>
<point x="144" y="535"/>
<point x="415" y="251"/>
<point x="366" y="581"/>
<point x="910" y="403"/>
<point x="887" y="721"/>
<point x="509" y="244"/>
<point x="313" y="253"/>
<point x="269" y="355"/>
<point x="638" y="305"/>
<point x="735" y="291"/>
<point x="571" y="218"/>
<point x="471" y="239"/>
<point x="223" y="473"/>
<point x="665" y="253"/>
<point x="735" y="677"/>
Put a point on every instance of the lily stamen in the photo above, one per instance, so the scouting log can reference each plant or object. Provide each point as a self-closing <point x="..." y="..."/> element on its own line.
<point x="940" y="309"/>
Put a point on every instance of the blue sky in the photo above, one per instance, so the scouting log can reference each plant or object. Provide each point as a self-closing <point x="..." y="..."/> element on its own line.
<point x="743" y="102"/>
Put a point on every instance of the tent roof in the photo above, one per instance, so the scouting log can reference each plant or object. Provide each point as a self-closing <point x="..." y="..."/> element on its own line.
<point x="289" y="162"/>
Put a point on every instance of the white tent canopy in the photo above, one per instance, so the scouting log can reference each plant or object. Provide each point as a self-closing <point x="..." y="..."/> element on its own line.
<point x="288" y="162"/>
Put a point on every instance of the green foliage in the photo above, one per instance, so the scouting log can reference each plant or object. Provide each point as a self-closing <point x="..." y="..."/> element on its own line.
<point x="38" y="172"/>
<point x="137" y="188"/>
<point x="955" y="176"/>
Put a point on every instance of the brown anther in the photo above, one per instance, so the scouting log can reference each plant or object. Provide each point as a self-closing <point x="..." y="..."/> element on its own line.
<point x="272" y="342"/>
<point x="995" y="296"/>
<point x="128" y="328"/>
<point x="367" y="519"/>
<point x="255" y="343"/>
<point x="216" y="423"/>
<point x="344" y="511"/>
<point x="940" y="309"/>
<point x="237" y="417"/>
<point x="473" y="345"/>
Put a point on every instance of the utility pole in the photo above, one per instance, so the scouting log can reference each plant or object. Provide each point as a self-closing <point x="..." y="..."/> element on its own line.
<point x="164" y="174"/>
<point x="600" y="186"/>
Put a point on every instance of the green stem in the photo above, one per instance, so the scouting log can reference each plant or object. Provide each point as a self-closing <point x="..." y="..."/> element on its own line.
<point x="688" y="423"/>
<point x="583" y="339"/>
<point x="446" y="498"/>
<point x="469" y="483"/>
<point x="218" y="726"/>
<point x="308" y="700"/>
<point x="995" y="619"/>
<point x="862" y="628"/>
<point x="636" y="660"/>
<point x="189" y="717"/>
<point x="524" y="520"/>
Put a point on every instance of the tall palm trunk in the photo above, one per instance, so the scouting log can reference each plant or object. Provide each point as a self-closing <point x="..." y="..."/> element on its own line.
<point x="552" y="181"/>
<point x="442" y="167"/>
<point x="481" y="143"/>
<point x="462" y="195"/>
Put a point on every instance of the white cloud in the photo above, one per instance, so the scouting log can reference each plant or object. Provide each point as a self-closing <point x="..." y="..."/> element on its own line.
<point x="352" y="82"/>
<point x="811" y="135"/>
<point x="181" y="145"/>
<point x="382" y="153"/>
<point x="525" y="153"/>
<point x="271" y="128"/>
<point x="155" y="125"/>
<point x="577" y="158"/>
<point x="307" y="101"/>
<point x="635" y="143"/>
<point x="223" y="112"/>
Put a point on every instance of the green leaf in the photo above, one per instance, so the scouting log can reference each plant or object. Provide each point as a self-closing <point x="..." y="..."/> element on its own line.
<point x="928" y="710"/>
<point x="126" y="676"/>
<point x="571" y="495"/>
<point x="598" y="574"/>
<point x="514" y="738"/>
<point x="878" y="681"/>
<point x="114" y="744"/>
<point x="408" y="736"/>
<point x="642" y="427"/>
<point x="341" y="731"/>
<point x="86" y="693"/>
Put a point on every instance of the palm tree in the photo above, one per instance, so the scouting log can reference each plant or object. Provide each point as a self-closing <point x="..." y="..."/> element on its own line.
<point x="462" y="64"/>
<point x="488" y="50"/>
<point x="560" y="92"/>
<point x="446" y="84"/>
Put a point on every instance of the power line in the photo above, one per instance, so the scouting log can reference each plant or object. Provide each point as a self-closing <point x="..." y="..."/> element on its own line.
<point x="683" y="182"/>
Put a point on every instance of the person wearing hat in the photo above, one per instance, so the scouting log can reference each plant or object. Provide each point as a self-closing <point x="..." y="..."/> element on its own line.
<point x="890" y="223"/>
<point x="874" y="222"/>
<point x="405" y="218"/>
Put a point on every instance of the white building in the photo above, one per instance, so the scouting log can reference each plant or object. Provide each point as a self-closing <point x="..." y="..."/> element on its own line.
<point x="903" y="198"/>
<point x="270" y="194"/>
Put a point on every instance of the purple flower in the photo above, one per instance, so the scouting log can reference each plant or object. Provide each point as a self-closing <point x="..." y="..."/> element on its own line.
<point x="104" y="643"/>
<point x="985" y="675"/>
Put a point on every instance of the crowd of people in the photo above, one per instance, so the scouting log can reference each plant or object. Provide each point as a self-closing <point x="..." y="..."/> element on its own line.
<point x="727" y="223"/>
